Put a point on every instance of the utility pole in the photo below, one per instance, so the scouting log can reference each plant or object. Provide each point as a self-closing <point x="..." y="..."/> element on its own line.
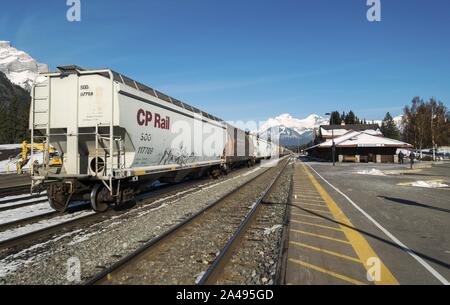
<point x="432" y="132"/>
<point x="333" y="145"/>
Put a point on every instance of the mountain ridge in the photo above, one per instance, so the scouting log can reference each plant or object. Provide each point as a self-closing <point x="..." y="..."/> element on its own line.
<point x="19" y="67"/>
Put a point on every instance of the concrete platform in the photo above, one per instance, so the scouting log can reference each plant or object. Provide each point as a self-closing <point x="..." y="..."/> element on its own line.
<point x="323" y="246"/>
<point x="347" y="228"/>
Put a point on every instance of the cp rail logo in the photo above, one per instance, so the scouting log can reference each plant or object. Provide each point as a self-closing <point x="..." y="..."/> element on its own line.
<point x="146" y="118"/>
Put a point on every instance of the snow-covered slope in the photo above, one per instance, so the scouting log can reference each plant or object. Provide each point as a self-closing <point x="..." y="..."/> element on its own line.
<point x="299" y="125"/>
<point x="20" y="68"/>
<point x="292" y="131"/>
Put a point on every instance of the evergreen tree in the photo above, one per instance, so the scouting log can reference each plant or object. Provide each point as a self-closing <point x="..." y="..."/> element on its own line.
<point x="343" y="116"/>
<point x="14" y="112"/>
<point x="388" y="127"/>
<point x="335" y="118"/>
<point x="350" y="118"/>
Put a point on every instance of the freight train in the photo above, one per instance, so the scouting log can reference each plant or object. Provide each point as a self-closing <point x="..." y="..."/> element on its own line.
<point x="115" y="134"/>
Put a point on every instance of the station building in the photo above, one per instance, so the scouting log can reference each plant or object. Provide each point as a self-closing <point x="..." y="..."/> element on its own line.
<point x="359" y="146"/>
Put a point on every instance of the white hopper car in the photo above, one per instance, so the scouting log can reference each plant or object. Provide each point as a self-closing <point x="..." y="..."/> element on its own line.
<point x="114" y="134"/>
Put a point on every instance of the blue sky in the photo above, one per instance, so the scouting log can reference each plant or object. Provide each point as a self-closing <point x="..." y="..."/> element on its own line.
<point x="252" y="59"/>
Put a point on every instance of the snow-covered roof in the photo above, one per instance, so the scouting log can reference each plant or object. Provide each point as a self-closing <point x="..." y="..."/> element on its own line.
<point x="362" y="139"/>
<point x="338" y="130"/>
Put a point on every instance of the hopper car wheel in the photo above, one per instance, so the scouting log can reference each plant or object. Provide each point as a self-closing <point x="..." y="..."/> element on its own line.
<point x="58" y="197"/>
<point x="99" y="198"/>
<point x="59" y="204"/>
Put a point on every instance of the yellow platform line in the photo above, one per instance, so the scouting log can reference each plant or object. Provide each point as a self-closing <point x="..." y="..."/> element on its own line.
<point x="325" y="251"/>
<point x="329" y="272"/>
<point x="309" y="216"/>
<point x="316" y="225"/>
<point x="311" y="204"/>
<point x="321" y="236"/>
<point x="306" y="193"/>
<point x="306" y="190"/>
<point x="315" y="210"/>
<point x="303" y="199"/>
<point x="359" y="243"/>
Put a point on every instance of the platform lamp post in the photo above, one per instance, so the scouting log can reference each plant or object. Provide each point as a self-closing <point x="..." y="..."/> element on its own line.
<point x="333" y="145"/>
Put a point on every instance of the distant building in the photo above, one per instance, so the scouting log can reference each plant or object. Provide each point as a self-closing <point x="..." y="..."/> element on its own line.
<point x="325" y="132"/>
<point x="359" y="146"/>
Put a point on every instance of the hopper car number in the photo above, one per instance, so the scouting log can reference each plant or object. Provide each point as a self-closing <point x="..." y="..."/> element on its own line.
<point x="146" y="137"/>
<point x="145" y="150"/>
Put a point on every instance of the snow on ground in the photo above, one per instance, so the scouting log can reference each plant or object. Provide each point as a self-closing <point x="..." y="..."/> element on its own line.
<point x="17" y="197"/>
<point x="24" y="212"/>
<point x="15" y="261"/>
<point x="372" y="172"/>
<point x="19" y="202"/>
<point x="429" y="184"/>
<point x="42" y="224"/>
<point x="10" y="146"/>
<point x="10" y="166"/>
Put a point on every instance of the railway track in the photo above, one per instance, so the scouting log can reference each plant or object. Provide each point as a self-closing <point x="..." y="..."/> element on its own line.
<point x="21" y="203"/>
<point x="223" y="269"/>
<point x="180" y="255"/>
<point x="143" y="200"/>
<point x="14" y="190"/>
<point x="26" y="221"/>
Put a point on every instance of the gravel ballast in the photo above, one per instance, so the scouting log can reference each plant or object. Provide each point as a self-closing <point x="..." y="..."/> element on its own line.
<point x="94" y="247"/>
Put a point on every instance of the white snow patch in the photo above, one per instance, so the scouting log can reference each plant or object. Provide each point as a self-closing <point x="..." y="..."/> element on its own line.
<point x="13" y="262"/>
<point x="268" y="231"/>
<point x="10" y="146"/>
<point x="429" y="184"/>
<point x="372" y="172"/>
<point x="82" y="238"/>
<point x="17" y="197"/>
<point x="19" y="202"/>
<point x="10" y="166"/>
<point x="199" y="277"/>
<point x="24" y="212"/>
<point x="5" y="235"/>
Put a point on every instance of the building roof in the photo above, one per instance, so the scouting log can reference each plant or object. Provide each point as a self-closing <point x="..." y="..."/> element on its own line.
<point x="362" y="139"/>
<point x="355" y="127"/>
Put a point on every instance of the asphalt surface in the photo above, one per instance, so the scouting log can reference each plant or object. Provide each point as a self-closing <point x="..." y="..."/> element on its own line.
<point x="416" y="216"/>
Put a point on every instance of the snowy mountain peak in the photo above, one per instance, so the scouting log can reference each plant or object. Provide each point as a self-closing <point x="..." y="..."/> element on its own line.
<point x="20" y="68"/>
<point x="292" y="131"/>
<point x="299" y="125"/>
<point x="5" y="44"/>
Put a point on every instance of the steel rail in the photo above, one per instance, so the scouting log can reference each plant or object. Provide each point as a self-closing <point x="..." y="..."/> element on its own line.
<point x="15" y="190"/>
<point x="22" y="205"/>
<point x="25" y="221"/>
<point x="214" y="270"/>
<point x="12" y="200"/>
